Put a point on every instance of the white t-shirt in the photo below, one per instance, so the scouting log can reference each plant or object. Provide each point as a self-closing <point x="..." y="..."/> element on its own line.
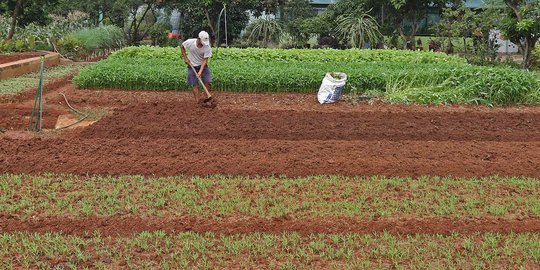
<point x="197" y="55"/>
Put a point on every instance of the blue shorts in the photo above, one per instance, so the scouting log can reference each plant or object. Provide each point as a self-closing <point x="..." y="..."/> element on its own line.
<point x="192" y="77"/>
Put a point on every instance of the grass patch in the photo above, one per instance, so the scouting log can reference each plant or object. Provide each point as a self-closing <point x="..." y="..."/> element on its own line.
<point x="220" y="196"/>
<point x="266" y="251"/>
<point x="13" y="86"/>
<point x="93" y="114"/>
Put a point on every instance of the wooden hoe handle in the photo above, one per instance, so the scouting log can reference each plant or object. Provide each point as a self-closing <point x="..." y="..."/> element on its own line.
<point x="200" y="80"/>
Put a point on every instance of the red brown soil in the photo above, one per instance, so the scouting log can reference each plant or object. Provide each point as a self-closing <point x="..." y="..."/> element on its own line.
<point x="164" y="134"/>
<point x="8" y="58"/>
<point x="17" y="117"/>
<point x="129" y="225"/>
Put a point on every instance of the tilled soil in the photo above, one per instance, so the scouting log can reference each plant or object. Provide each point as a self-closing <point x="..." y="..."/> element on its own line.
<point x="8" y="58"/>
<point x="129" y="225"/>
<point x="167" y="134"/>
<point x="17" y="117"/>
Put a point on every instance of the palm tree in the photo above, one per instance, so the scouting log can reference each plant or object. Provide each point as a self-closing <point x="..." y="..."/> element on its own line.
<point x="265" y="29"/>
<point x="358" y="29"/>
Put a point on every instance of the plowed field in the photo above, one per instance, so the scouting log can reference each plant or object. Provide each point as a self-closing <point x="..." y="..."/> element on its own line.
<point x="268" y="137"/>
<point x="165" y="134"/>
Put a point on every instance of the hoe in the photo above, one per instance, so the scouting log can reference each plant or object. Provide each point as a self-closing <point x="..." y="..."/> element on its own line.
<point x="208" y="102"/>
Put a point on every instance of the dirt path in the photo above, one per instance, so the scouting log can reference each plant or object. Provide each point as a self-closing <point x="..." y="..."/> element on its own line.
<point x="128" y="225"/>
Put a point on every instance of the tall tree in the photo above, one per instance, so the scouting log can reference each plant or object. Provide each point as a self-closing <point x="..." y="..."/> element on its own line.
<point x="410" y="13"/>
<point x="25" y="12"/>
<point x="200" y="15"/>
<point x="522" y="26"/>
<point x="14" y="17"/>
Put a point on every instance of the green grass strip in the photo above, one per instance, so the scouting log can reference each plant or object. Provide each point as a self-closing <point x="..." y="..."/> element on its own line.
<point x="220" y="196"/>
<point x="152" y="250"/>
<point x="13" y="86"/>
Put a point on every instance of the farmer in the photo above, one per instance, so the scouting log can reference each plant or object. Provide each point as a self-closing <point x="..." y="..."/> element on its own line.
<point x="199" y="53"/>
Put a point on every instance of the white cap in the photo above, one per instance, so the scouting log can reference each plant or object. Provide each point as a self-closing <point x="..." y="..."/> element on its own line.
<point x="204" y="37"/>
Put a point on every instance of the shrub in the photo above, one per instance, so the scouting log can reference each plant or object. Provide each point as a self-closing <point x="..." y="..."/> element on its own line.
<point x="103" y="37"/>
<point x="69" y="45"/>
<point x="8" y="46"/>
<point x="535" y="57"/>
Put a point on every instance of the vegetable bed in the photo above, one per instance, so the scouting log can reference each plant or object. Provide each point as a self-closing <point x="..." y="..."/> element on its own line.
<point x="400" y="76"/>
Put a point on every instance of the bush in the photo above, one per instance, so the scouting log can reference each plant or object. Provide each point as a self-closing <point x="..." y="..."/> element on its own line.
<point x="7" y="46"/>
<point x="69" y="45"/>
<point x="37" y="37"/>
<point x="88" y="40"/>
<point x="103" y="37"/>
<point x="4" y="27"/>
<point x="535" y="57"/>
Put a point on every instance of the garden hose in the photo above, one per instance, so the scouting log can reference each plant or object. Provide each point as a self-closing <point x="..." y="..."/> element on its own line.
<point x="76" y="111"/>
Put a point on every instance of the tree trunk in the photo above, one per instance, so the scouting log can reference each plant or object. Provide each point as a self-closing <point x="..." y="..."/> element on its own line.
<point x="403" y="36"/>
<point x="526" y="48"/>
<point x="527" y="51"/>
<point x="212" y="24"/>
<point x="412" y="37"/>
<point x="135" y="36"/>
<point x="14" y="19"/>
<point x="407" y="38"/>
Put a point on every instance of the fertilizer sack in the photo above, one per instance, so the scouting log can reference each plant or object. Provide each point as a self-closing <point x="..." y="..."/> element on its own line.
<point x="331" y="87"/>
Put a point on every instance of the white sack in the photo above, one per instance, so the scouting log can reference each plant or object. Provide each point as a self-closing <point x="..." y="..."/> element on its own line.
<point x="331" y="88"/>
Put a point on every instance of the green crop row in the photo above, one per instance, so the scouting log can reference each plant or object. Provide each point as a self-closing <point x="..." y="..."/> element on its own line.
<point x="297" y="55"/>
<point x="219" y="196"/>
<point x="398" y="81"/>
<point x="189" y="250"/>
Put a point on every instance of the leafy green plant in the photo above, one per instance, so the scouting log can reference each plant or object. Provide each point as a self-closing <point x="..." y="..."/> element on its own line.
<point x="358" y="29"/>
<point x="297" y="55"/>
<point x="535" y="57"/>
<point x="404" y="76"/>
<point x="103" y="37"/>
<point x="265" y="30"/>
<point x="69" y="45"/>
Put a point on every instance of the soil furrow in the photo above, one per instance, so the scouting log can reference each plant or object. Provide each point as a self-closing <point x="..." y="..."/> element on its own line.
<point x="128" y="225"/>
<point x="269" y="157"/>
<point x="179" y="120"/>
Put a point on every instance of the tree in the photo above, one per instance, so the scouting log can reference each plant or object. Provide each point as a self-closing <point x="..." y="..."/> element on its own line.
<point x="24" y="12"/>
<point x="14" y="17"/>
<point x="522" y="26"/>
<point x="266" y="30"/>
<point x="341" y="9"/>
<point x="465" y="23"/>
<point x="402" y="13"/>
<point x="197" y="15"/>
<point x="300" y="21"/>
<point x="135" y="18"/>
<point x="358" y="29"/>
